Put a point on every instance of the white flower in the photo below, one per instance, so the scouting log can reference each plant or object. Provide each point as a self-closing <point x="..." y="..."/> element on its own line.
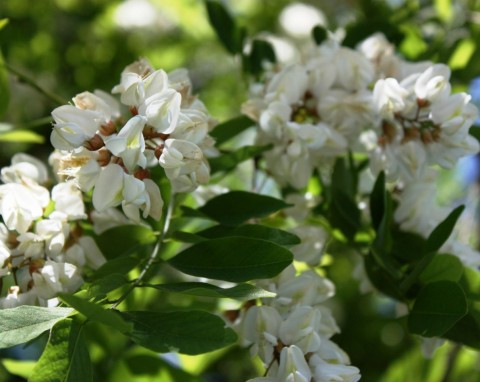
<point x="68" y="200"/>
<point x="308" y="288"/>
<point x="25" y="169"/>
<point x="85" y="252"/>
<point x="293" y="367"/>
<point x="20" y="206"/>
<point x="100" y="102"/>
<point x="129" y="143"/>
<point x="288" y="85"/>
<point x="55" y="278"/>
<point x="73" y="127"/>
<point x="301" y="329"/>
<point x="313" y="240"/>
<point x="455" y="114"/>
<point x="155" y="204"/>
<point x="178" y="153"/>
<point x="433" y="84"/>
<point x="389" y="97"/>
<point x="162" y="110"/>
<point x="260" y="327"/>
<point x="328" y="372"/>
<point x="108" y="218"/>
<point x="108" y="188"/>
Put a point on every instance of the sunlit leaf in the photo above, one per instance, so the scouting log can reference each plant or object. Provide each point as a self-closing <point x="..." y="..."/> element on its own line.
<point x="4" y="86"/>
<point x="24" y="323"/>
<point x="66" y="356"/>
<point x="443" y="231"/>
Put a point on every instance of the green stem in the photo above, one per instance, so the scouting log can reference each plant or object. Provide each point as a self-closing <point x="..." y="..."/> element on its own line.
<point x="153" y="256"/>
<point x="29" y="81"/>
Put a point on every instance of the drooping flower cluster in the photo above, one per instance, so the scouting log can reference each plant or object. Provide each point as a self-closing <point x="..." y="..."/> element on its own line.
<point x="368" y="100"/>
<point x="291" y="333"/>
<point x="42" y="249"/>
<point x="167" y="127"/>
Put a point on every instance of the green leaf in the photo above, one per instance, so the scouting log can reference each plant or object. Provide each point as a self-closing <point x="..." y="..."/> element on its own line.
<point x="235" y="259"/>
<point x="149" y="367"/>
<point x="407" y="246"/>
<point x="121" y="265"/>
<point x="381" y="279"/>
<point x="443" y="231"/>
<point x="122" y="240"/>
<point x="96" y="313"/>
<point x="261" y="52"/>
<point x="188" y="332"/>
<point x="100" y="287"/>
<point x="319" y="34"/>
<point x="21" y="368"/>
<point x="344" y="178"/>
<point x="467" y="329"/>
<point x="236" y="207"/>
<point x="24" y="323"/>
<point x="229" y="129"/>
<point x="19" y="136"/>
<point x="462" y="54"/>
<point x="470" y="282"/>
<point x="344" y="214"/>
<point x="186" y="237"/>
<point x="229" y="161"/>
<point x="3" y="23"/>
<point x="377" y="201"/>
<point x="443" y="267"/>
<point x="255" y="231"/>
<point x="238" y="292"/>
<point x="438" y="307"/>
<point x="4" y="85"/>
<point x="228" y="32"/>
<point x="65" y="357"/>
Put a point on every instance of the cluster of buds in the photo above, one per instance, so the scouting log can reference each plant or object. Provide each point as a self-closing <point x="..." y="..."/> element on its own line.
<point x="43" y="251"/>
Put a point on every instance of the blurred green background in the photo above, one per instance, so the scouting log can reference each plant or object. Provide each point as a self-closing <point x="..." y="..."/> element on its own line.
<point x="69" y="46"/>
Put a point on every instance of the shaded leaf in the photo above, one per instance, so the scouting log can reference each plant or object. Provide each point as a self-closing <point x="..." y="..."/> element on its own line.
<point x="96" y="313"/>
<point x="438" y="307"/>
<point x="236" y="207"/>
<point x="4" y="85"/>
<point x="235" y="259"/>
<point x="229" y="161"/>
<point x="443" y="231"/>
<point x="65" y="357"/>
<point x="225" y="26"/>
<point x="255" y="231"/>
<point x="261" y="52"/>
<point x="188" y="332"/>
<point x="229" y="129"/>
<point x="377" y="201"/>
<point x="24" y="323"/>
<point x="238" y="292"/>
<point x="319" y="34"/>
<point x="121" y="265"/>
<point x="443" y="267"/>
<point x="100" y="287"/>
<point x="122" y="240"/>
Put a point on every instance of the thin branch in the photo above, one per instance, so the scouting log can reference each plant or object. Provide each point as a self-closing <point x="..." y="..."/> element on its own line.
<point x="30" y="81"/>
<point x="452" y="357"/>
<point x="153" y="256"/>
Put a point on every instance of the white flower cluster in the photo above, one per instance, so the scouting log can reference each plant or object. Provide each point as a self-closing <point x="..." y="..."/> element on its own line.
<point x="42" y="249"/>
<point x="167" y="127"/>
<point x="291" y="333"/>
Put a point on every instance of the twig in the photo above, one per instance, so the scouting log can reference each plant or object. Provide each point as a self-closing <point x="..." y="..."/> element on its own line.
<point x="53" y="97"/>
<point x="452" y="357"/>
<point x="153" y="256"/>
